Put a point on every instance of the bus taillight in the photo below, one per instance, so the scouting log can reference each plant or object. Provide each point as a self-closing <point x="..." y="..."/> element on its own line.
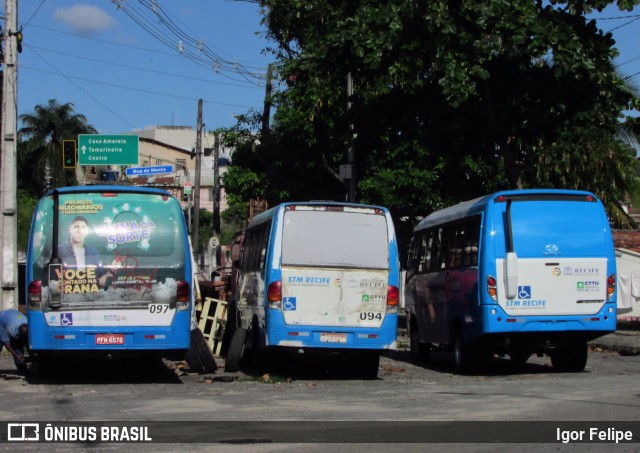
<point x="183" y="295"/>
<point x="611" y="286"/>
<point x="393" y="299"/>
<point x="274" y="294"/>
<point x="35" y="295"/>
<point x="492" y="288"/>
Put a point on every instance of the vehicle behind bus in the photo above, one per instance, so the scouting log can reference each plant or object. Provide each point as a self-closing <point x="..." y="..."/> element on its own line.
<point x="516" y="272"/>
<point x="317" y="277"/>
<point x="108" y="273"/>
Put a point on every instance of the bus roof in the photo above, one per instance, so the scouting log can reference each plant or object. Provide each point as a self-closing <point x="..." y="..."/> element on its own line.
<point x="108" y="188"/>
<point x="268" y="214"/>
<point x="478" y="205"/>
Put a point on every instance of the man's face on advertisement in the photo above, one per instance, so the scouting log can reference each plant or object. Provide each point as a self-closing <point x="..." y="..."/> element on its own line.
<point x="78" y="231"/>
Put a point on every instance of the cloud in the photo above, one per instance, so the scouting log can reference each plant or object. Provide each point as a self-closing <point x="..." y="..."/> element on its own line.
<point x="85" y="19"/>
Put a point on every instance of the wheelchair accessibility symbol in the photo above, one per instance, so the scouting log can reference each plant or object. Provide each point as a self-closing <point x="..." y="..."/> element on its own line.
<point x="66" y="319"/>
<point x="289" y="303"/>
<point x="524" y="292"/>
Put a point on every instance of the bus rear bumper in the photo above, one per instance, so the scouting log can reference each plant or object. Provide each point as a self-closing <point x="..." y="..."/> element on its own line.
<point x="335" y="337"/>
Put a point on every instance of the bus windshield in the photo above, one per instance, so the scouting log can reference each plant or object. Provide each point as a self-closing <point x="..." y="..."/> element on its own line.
<point x="356" y="239"/>
<point x="118" y="249"/>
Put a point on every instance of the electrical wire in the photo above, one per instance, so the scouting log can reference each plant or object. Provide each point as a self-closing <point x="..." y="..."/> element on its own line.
<point x="137" y="68"/>
<point x="171" y="35"/>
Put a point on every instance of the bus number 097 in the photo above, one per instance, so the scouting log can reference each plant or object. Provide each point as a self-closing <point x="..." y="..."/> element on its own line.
<point x="158" y="308"/>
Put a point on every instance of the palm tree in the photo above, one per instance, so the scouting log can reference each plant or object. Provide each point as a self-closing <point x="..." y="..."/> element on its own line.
<point x="41" y="140"/>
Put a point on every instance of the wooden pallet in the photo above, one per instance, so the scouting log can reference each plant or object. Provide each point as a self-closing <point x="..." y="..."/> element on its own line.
<point x="211" y="322"/>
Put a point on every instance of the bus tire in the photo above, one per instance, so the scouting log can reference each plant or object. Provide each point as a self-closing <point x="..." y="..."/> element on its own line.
<point x="199" y="357"/>
<point x="571" y="357"/>
<point x="229" y="329"/>
<point x="370" y="365"/>
<point x="464" y="355"/>
<point x="519" y="358"/>
<point x="420" y="352"/>
<point x="236" y="350"/>
<point x="362" y="364"/>
<point x="259" y="353"/>
<point x="44" y="366"/>
<point x="207" y="359"/>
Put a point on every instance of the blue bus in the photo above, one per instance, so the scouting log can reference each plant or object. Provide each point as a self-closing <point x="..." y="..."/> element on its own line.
<point x="513" y="273"/>
<point x="317" y="277"/>
<point x="108" y="272"/>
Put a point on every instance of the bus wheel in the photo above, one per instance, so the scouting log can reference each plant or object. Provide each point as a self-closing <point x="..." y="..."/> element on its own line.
<point x="571" y="357"/>
<point x="229" y="329"/>
<point x="199" y="356"/>
<point x="420" y="352"/>
<point x="462" y="353"/>
<point x="519" y="358"/>
<point x="368" y="364"/>
<point x="236" y="350"/>
<point x="45" y="366"/>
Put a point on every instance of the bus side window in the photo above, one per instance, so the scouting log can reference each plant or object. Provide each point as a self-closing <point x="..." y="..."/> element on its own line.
<point x="447" y="241"/>
<point x="427" y="243"/>
<point x="264" y="241"/>
<point x="412" y="261"/>
<point x="471" y="242"/>
<point x="420" y="258"/>
<point x="436" y="250"/>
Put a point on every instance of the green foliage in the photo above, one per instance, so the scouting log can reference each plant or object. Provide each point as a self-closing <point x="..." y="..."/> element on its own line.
<point x="26" y="204"/>
<point x="40" y="145"/>
<point x="451" y="100"/>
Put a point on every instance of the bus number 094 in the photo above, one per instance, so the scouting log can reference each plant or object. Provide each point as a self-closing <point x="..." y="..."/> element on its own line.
<point x="158" y="308"/>
<point x="370" y="316"/>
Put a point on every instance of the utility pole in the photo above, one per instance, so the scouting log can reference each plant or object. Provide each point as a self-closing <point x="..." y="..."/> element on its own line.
<point x="8" y="170"/>
<point x="351" y="155"/>
<point x="196" y="190"/>
<point x="216" y="186"/>
<point x="267" y="103"/>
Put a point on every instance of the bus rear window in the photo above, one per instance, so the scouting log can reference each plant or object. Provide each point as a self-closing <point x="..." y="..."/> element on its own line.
<point x="565" y="227"/>
<point x="335" y="239"/>
<point x="109" y="247"/>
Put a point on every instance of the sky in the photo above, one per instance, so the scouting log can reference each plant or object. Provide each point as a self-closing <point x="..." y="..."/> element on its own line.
<point x="126" y="67"/>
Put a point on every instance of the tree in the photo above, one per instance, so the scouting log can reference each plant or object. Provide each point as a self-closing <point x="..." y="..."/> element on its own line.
<point x="452" y="99"/>
<point x="41" y="138"/>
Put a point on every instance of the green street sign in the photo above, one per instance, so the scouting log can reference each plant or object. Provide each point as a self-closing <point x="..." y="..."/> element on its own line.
<point x="94" y="149"/>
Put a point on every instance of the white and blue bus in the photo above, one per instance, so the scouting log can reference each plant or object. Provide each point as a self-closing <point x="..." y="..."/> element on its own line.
<point x="317" y="277"/>
<point x="513" y="273"/>
<point x="109" y="272"/>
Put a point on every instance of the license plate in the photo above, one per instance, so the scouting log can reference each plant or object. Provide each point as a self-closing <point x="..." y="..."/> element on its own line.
<point x="333" y="337"/>
<point x="110" y="338"/>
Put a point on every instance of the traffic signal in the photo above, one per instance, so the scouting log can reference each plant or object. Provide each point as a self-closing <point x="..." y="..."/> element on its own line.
<point x="69" y="154"/>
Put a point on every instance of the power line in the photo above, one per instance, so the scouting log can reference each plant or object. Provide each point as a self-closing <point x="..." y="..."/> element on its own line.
<point x="129" y="46"/>
<point x="35" y="12"/>
<point x="113" y="85"/>
<point x="193" y="49"/>
<point x="613" y="18"/>
<point x="625" y="24"/>
<point x="69" y="79"/>
<point x="137" y="68"/>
